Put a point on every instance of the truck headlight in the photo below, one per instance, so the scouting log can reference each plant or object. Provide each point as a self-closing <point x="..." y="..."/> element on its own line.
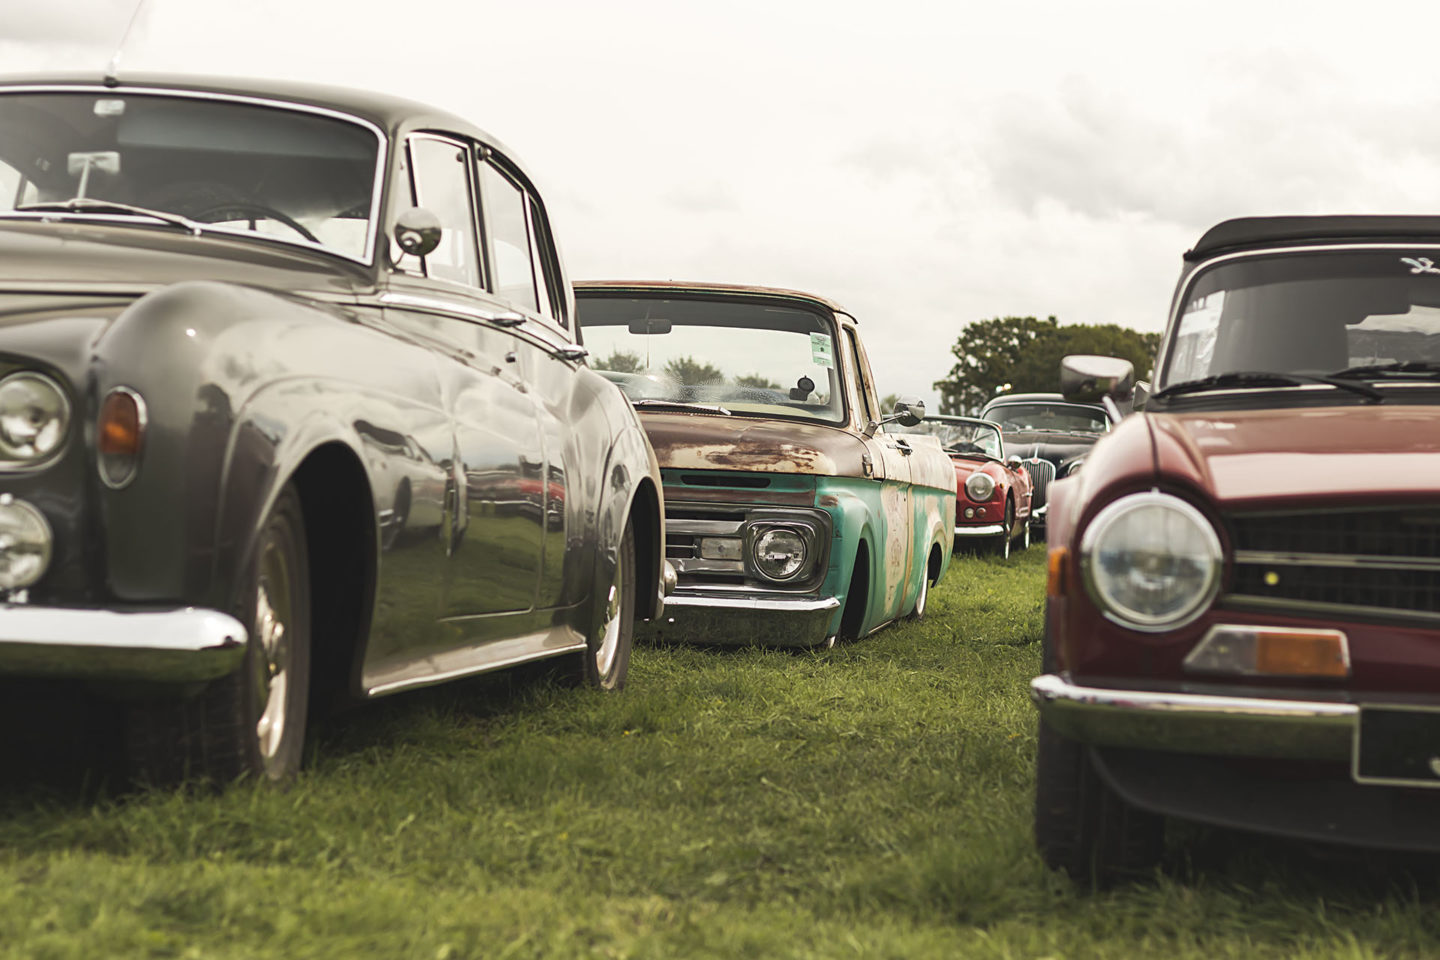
<point x="979" y="487"/>
<point x="1151" y="561"/>
<point x="34" y="416"/>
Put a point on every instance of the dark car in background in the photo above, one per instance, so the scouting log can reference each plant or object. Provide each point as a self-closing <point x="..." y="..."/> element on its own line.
<point x="1243" y="606"/>
<point x="293" y="409"/>
<point x="1051" y="435"/>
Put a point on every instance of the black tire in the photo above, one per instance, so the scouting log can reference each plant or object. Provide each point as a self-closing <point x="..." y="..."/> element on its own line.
<point x="605" y="662"/>
<point x="1081" y="825"/>
<point x="1001" y="546"/>
<point x="251" y="722"/>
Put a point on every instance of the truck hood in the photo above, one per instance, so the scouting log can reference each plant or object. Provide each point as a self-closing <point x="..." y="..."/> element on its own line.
<point x="1276" y="457"/>
<point x="696" y="441"/>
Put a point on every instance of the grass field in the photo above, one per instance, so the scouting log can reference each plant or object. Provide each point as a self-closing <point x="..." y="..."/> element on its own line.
<point x="872" y="801"/>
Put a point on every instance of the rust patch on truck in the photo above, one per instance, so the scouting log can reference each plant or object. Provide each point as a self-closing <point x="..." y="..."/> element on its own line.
<point x="685" y="441"/>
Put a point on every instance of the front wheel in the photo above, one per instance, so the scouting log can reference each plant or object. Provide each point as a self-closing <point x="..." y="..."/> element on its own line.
<point x="923" y="597"/>
<point x="251" y="722"/>
<point x="606" y="659"/>
<point x="1081" y="825"/>
<point x="1002" y="542"/>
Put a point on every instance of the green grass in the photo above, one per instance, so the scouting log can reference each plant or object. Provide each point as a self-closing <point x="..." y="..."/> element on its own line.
<point x="872" y="801"/>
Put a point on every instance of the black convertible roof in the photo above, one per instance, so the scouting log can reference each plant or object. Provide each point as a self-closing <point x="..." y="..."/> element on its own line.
<point x="1268" y="231"/>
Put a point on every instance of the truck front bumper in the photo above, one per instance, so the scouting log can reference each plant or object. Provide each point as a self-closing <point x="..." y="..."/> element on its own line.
<point x="739" y="619"/>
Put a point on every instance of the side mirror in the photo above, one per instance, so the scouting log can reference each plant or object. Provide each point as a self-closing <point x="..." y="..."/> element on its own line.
<point x="1142" y="394"/>
<point x="909" y="410"/>
<point x="1086" y="378"/>
<point x="418" y="232"/>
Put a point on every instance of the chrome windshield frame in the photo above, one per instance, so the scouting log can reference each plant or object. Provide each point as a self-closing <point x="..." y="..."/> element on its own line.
<point x="372" y="227"/>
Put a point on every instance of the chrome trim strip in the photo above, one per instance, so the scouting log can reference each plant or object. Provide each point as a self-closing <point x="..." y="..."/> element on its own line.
<point x="755" y="604"/>
<point x="988" y="530"/>
<point x="704" y="528"/>
<point x="1361" y="561"/>
<point x="502" y="318"/>
<point x="1248" y="601"/>
<point x="1196" y="723"/>
<point x="372" y="230"/>
<point x="468" y="661"/>
<point x="176" y="646"/>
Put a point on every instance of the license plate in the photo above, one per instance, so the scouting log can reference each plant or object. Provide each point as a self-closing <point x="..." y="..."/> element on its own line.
<point x="1399" y="746"/>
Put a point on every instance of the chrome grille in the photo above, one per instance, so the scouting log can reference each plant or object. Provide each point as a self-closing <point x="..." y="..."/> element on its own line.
<point x="1042" y="472"/>
<point x="1382" y="561"/>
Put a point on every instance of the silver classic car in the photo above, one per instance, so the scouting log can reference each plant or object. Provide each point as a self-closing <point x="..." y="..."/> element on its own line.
<point x="293" y="408"/>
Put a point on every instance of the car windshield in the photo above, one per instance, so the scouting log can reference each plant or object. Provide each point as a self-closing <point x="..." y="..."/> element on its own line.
<point x="976" y="437"/>
<point x="749" y="358"/>
<point x="1365" y="315"/>
<point x="287" y="174"/>
<point x="1064" y="417"/>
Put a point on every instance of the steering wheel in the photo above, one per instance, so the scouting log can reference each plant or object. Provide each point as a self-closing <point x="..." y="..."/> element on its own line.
<point x="246" y="210"/>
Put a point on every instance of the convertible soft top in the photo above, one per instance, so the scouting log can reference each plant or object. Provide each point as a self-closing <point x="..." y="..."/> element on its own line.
<point x="1254" y="231"/>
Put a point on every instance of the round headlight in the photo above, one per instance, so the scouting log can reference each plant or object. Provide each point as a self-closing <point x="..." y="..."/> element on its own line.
<point x="1152" y="561"/>
<point x="779" y="553"/>
<point x="34" y="416"/>
<point x="979" y="487"/>
<point x="24" y="544"/>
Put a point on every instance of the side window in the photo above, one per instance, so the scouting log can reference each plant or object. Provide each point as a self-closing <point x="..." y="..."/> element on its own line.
<point x="442" y="186"/>
<point x="548" y="264"/>
<point x="869" y="409"/>
<point x="510" y="260"/>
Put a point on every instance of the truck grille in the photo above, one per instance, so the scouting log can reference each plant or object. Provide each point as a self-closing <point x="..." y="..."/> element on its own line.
<point x="1042" y="472"/>
<point x="1383" y="561"/>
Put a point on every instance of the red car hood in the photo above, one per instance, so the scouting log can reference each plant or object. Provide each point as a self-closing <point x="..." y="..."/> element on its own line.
<point x="1274" y="457"/>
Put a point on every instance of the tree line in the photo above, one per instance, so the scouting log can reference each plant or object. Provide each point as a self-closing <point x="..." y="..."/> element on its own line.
<point x="1022" y="355"/>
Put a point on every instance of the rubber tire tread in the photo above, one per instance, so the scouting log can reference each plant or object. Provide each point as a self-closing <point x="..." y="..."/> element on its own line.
<point x="1082" y="826"/>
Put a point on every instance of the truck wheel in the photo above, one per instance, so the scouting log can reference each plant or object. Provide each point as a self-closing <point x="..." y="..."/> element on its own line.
<point x="605" y="661"/>
<point x="251" y="722"/>
<point x="1081" y="825"/>
<point x="923" y="597"/>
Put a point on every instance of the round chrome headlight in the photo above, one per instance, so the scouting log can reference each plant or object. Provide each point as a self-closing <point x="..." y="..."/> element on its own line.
<point x="1151" y="561"/>
<point x="979" y="486"/>
<point x="779" y="553"/>
<point x="34" y="416"/>
<point x="25" y="544"/>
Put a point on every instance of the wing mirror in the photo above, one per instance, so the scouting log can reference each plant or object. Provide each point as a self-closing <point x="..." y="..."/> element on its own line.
<point x="909" y="411"/>
<point x="418" y="231"/>
<point x="1142" y="394"/>
<point x="1086" y="378"/>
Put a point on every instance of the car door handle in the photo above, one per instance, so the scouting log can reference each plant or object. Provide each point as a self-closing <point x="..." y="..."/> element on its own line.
<point x="904" y="447"/>
<point x="573" y="354"/>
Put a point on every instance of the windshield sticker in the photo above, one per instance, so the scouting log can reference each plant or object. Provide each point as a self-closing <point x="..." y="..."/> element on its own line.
<point x="822" y="352"/>
<point x="1420" y="264"/>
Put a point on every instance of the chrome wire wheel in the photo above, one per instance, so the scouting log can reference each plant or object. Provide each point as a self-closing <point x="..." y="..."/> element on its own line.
<point x="609" y="644"/>
<point x="274" y="613"/>
<point x="1025" y="536"/>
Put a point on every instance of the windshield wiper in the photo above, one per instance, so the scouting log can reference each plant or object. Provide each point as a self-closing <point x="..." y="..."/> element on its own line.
<point x="682" y="405"/>
<point x="87" y="205"/>
<point x="1404" y="369"/>
<point x="1266" y="378"/>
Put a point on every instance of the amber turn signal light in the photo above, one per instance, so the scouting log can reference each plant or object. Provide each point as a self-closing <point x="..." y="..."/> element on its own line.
<point x="1055" y="571"/>
<point x="1271" y="652"/>
<point x="119" y="436"/>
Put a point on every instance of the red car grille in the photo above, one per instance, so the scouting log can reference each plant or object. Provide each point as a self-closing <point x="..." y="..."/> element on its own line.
<point x="1382" y="562"/>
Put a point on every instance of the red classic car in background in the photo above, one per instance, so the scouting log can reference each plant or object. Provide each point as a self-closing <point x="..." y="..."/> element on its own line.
<point x="992" y="491"/>
<point x="1243" y="616"/>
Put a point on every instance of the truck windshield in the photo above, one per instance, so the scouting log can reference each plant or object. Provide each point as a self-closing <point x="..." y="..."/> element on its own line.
<point x="753" y="358"/>
<point x="289" y="175"/>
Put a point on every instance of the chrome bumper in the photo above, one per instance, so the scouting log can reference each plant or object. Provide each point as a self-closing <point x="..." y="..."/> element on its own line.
<point x="162" y="646"/>
<point x="1196" y="723"/>
<point x="982" y="530"/>
<point x="735" y="619"/>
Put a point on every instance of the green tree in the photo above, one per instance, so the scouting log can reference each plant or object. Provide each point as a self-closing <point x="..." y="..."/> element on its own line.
<point x="1022" y="355"/>
<point x="756" y="380"/>
<point x="621" y="361"/>
<point x="693" y="373"/>
<point x="887" y="402"/>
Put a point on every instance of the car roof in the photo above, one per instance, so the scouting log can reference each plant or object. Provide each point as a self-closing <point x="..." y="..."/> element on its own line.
<point x="385" y="111"/>
<point x="1032" y="398"/>
<point x="724" y="289"/>
<point x="1246" y="232"/>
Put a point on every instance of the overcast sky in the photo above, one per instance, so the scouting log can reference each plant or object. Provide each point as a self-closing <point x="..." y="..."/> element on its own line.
<point x="927" y="164"/>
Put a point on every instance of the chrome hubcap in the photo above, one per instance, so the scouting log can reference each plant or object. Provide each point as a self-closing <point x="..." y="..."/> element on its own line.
<point x="272" y="674"/>
<point x="610" y="636"/>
